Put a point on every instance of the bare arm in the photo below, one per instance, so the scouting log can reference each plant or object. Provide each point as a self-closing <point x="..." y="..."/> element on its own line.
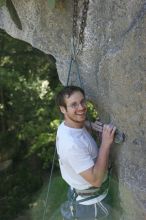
<point x="95" y="174"/>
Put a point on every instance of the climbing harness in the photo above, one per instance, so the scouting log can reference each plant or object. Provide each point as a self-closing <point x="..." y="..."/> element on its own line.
<point x="89" y="194"/>
<point x="74" y="202"/>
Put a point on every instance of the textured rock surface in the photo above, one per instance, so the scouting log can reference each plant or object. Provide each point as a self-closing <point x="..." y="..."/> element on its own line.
<point x="113" y="72"/>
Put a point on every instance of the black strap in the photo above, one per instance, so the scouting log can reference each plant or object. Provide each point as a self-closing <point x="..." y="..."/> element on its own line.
<point x="101" y="190"/>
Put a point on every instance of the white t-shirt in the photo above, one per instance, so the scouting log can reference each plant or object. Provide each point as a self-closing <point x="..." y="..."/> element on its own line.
<point x="77" y="152"/>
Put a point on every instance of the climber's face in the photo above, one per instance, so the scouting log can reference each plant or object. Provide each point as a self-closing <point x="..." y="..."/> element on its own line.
<point x="75" y="110"/>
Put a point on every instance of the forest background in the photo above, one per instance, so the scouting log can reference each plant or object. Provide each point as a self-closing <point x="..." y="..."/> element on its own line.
<point x="28" y="123"/>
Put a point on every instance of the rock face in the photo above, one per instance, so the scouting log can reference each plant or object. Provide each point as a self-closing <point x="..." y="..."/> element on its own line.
<point x="113" y="72"/>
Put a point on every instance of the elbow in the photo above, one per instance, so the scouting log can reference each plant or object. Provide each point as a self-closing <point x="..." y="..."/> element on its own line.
<point x="96" y="183"/>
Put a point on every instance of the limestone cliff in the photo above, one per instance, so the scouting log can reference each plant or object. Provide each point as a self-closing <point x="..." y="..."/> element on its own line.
<point x="113" y="72"/>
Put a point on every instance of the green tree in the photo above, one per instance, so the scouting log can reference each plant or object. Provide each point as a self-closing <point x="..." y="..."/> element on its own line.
<point x="28" y="82"/>
<point x="28" y="121"/>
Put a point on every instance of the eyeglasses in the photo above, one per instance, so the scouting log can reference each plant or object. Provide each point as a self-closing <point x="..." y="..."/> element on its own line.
<point x="76" y="105"/>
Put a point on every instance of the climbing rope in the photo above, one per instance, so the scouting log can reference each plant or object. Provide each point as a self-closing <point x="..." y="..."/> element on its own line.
<point x="76" y="46"/>
<point x="72" y="61"/>
<point x="49" y="185"/>
<point x="75" y="62"/>
<point x="54" y="155"/>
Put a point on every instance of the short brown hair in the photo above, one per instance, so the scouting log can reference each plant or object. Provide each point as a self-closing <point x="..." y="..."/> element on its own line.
<point x="67" y="91"/>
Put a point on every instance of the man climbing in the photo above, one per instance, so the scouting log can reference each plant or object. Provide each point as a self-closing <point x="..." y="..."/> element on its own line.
<point x="83" y="165"/>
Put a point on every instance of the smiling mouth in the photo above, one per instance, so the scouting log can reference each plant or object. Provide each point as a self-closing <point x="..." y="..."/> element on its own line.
<point x="82" y="114"/>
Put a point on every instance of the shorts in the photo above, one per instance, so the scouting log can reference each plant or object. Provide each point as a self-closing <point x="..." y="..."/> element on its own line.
<point x="100" y="210"/>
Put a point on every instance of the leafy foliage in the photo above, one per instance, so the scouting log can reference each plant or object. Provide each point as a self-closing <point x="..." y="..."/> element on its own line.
<point x="2" y="2"/>
<point x="92" y="111"/>
<point x="57" y="196"/>
<point x="28" y="121"/>
<point x="16" y="190"/>
<point x="28" y="85"/>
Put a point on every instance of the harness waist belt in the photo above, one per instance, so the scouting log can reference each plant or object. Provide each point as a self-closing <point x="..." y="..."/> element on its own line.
<point x="88" y="192"/>
<point x="94" y="190"/>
